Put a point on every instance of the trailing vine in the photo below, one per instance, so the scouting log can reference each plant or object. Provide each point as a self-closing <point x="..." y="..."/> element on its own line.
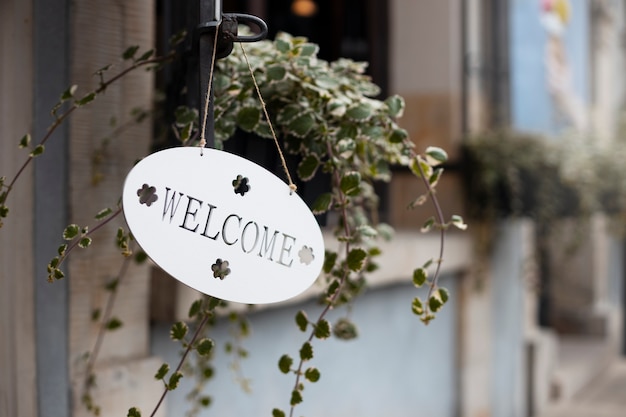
<point x="328" y="117"/>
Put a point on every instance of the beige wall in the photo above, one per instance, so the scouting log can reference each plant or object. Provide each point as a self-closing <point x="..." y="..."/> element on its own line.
<point x="124" y="369"/>
<point x="425" y="68"/>
<point x="17" y="349"/>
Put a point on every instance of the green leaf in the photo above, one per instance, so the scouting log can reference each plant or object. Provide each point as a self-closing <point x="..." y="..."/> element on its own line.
<point x="398" y="136"/>
<point x="114" y="323"/>
<point x="360" y="112"/>
<point x="185" y="133"/>
<point x="428" y="225"/>
<point x="185" y="115"/>
<point x="437" y="154"/>
<point x="434" y="178"/>
<point x="58" y="274"/>
<point x="174" y="380"/>
<point x="282" y="46"/>
<point x="102" y="70"/>
<point x="205" y="346"/>
<point x="130" y="52"/>
<point x="322" y="329"/>
<point x="330" y="258"/>
<point x="457" y="221"/>
<point x="296" y="398"/>
<point x="444" y="295"/>
<point x="306" y="351"/>
<point x="178" y="331"/>
<point x="112" y="285"/>
<point x="208" y="372"/>
<point x="71" y="232"/>
<point x="278" y="413"/>
<point x="312" y="374"/>
<point x="61" y="249"/>
<point x="177" y="38"/>
<point x="301" y="125"/>
<point x="86" y="99"/>
<point x="288" y="113"/>
<point x="39" y="149"/>
<point x="435" y="302"/>
<point x="276" y="73"/>
<point x="344" y="329"/>
<point x="322" y="203"/>
<point x="54" y="262"/>
<point x="195" y="308"/>
<point x="395" y="104"/>
<point x="163" y="370"/>
<point x="25" y="141"/>
<point x="284" y="363"/>
<point x="419" y="277"/>
<point x="308" y="166"/>
<point x="417" y="307"/>
<point x="214" y="303"/>
<point x="140" y="256"/>
<point x="248" y="117"/>
<point x="308" y="49"/>
<point x="302" y="320"/>
<point x="366" y="230"/>
<point x="103" y="213"/>
<point x="418" y="166"/>
<point x="133" y="412"/>
<point x="69" y="93"/>
<point x="356" y="259"/>
<point x="419" y="201"/>
<point x="146" y="55"/>
<point x="84" y="242"/>
<point x="427" y="318"/>
<point x="346" y="147"/>
<point x="350" y="183"/>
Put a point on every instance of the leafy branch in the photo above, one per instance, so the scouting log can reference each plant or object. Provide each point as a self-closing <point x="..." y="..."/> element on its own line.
<point x="60" y="113"/>
<point x="107" y="323"/>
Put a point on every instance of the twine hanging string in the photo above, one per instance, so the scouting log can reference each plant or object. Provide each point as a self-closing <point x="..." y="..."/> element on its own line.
<point x="202" y="142"/>
<point x="292" y="186"/>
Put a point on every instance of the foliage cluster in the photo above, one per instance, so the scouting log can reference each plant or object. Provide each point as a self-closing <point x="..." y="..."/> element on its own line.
<point x="514" y="174"/>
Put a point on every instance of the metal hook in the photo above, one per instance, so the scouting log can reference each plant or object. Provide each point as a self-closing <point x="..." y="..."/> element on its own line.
<point x="227" y="33"/>
<point x="248" y="19"/>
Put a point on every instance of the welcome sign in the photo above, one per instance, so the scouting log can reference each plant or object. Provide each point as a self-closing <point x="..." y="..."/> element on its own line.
<point x="223" y="225"/>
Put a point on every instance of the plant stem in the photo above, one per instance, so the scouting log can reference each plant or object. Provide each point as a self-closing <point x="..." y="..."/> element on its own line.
<point x="103" y="86"/>
<point x="90" y="232"/>
<point x="182" y="359"/>
<point x="442" y="231"/>
<point x="108" y="310"/>
<point x="344" y="278"/>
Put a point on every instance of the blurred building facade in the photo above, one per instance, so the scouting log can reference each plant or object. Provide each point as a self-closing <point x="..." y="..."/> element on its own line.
<point x="510" y="342"/>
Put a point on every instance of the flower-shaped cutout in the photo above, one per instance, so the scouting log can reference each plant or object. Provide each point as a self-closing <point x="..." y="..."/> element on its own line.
<point x="147" y="195"/>
<point x="240" y="184"/>
<point x="220" y="269"/>
<point x="306" y="255"/>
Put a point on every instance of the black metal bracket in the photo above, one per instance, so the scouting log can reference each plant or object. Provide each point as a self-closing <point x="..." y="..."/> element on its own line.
<point x="212" y="20"/>
<point x="228" y="31"/>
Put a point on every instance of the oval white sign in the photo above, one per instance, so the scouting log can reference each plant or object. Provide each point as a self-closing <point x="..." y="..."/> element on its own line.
<point x="223" y="225"/>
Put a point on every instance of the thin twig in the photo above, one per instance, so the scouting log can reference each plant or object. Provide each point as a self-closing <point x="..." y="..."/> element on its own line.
<point x="342" y="281"/>
<point x="69" y="111"/>
<point x="182" y="359"/>
<point x="441" y="219"/>
<point x="106" y="316"/>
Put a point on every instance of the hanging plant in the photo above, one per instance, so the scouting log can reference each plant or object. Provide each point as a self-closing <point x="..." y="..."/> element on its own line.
<point x="328" y="115"/>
